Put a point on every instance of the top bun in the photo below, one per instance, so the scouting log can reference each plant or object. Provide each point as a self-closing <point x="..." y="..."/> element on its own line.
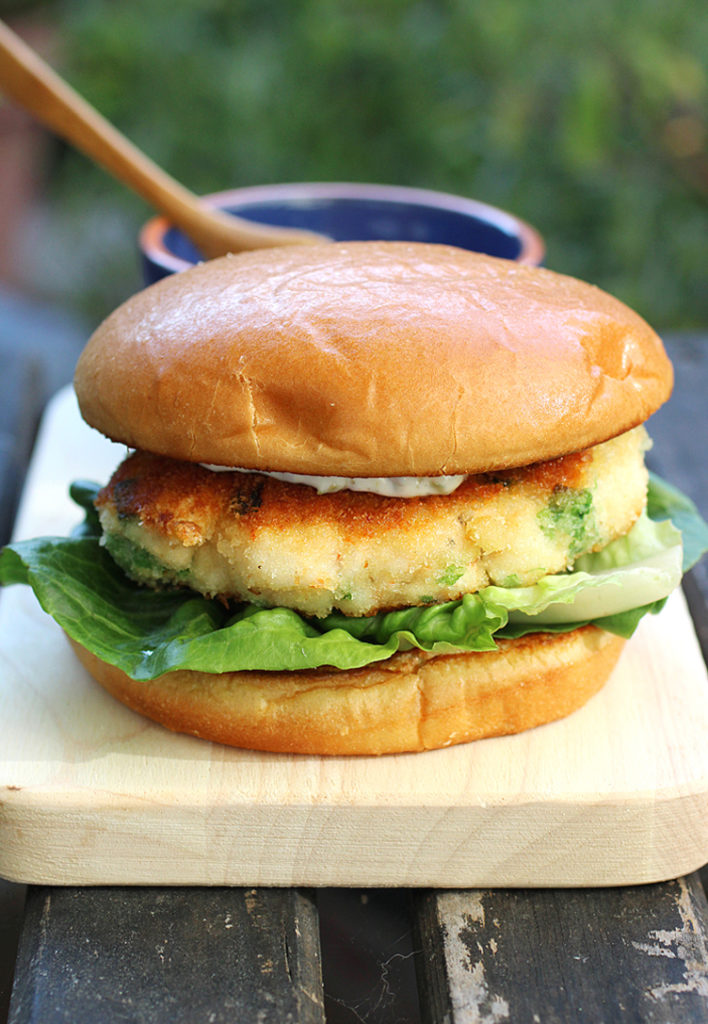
<point x="370" y="359"/>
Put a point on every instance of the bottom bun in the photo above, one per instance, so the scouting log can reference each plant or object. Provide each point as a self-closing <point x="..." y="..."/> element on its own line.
<point x="412" y="702"/>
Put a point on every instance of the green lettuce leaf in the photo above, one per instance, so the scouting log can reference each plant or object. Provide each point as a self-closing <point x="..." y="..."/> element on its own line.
<point x="664" y="501"/>
<point x="146" y="633"/>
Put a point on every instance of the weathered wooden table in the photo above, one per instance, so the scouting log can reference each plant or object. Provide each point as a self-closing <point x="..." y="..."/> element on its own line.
<point x="105" y="954"/>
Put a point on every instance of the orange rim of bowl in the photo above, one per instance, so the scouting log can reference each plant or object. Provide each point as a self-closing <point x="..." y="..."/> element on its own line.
<point x="532" y="246"/>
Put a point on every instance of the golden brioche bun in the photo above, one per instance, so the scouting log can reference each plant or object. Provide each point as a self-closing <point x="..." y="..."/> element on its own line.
<point x="411" y="702"/>
<point x="370" y="359"/>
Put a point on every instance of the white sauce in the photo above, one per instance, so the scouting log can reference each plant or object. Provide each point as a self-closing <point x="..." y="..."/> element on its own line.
<point x="389" y="487"/>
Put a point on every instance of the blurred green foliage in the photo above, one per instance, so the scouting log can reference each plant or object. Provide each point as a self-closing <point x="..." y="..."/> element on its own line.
<point x="586" y="119"/>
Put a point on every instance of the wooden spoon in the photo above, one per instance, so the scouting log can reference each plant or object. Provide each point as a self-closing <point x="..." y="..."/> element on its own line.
<point x="26" y="78"/>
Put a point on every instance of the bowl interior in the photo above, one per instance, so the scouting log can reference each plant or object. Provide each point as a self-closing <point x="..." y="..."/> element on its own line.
<point x="356" y="212"/>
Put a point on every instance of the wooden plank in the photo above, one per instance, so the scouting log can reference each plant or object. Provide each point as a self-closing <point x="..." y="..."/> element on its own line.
<point x="19" y="414"/>
<point x="168" y="956"/>
<point x="608" y="955"/>
<point x="680" y="433"/>
<point x="94" y="794"/>
<point x="680" y="428"/>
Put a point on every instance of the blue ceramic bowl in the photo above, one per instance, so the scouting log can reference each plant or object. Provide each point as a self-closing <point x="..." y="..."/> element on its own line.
<point x="347" y="212"/>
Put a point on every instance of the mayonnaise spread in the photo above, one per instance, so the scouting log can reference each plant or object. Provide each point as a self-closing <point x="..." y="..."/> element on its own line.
<point x="389" y="487"/>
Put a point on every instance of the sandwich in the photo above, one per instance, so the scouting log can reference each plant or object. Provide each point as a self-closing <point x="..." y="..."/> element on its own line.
<point x="378" y="497"/>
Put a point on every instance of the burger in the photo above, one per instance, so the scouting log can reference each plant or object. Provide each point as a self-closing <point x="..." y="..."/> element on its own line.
<point x="379" y="497"/>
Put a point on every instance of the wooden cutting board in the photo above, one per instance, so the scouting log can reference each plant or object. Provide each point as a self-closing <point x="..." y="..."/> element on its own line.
<point x="90" y="793"/>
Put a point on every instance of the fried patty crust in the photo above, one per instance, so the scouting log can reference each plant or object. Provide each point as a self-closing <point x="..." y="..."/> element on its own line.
<point x="249" y="537"/>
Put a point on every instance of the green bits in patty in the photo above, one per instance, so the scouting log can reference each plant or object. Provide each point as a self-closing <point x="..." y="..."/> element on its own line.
<point x="571" y="514"/>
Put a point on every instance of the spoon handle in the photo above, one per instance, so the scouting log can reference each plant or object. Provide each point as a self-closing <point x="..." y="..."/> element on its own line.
<point x="28" y="80"/>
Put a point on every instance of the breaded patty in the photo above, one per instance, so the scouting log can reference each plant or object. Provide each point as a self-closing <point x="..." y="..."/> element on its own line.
<point x="247" y="536"/>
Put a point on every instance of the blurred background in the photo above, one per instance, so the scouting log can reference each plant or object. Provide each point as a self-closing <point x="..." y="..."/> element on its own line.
<point x="588" y="120"/>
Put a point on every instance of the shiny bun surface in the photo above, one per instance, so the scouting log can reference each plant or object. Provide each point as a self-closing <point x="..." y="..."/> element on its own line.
<point x="370" y="359"/>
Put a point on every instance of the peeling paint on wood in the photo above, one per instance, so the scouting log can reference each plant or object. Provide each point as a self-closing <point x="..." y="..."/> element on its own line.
<point x="601" y="956"/>
<point x="472" y="1000"/>
<point x="687" y="944"/>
